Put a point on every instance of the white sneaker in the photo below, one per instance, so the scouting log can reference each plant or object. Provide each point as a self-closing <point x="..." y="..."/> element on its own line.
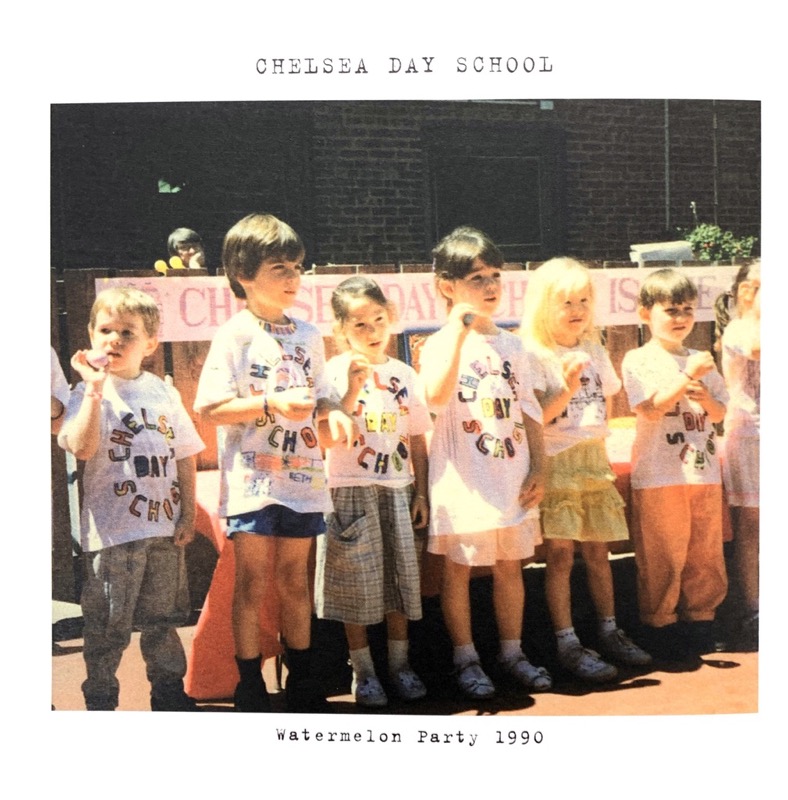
<point x="535" y="679"/>
<point x="586" y="664"/>
<point x="408" y="684"/>
<point x="369" y="692"/>
<point x="617" y="646"/>
<point x="473" y="681"/>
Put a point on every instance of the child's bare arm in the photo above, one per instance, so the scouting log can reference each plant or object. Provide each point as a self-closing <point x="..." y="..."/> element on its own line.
<point x="419" y="507"/>
<point x="84" y="430"/>
<point x="663" y="400"/>
<point x="334" y="424"/>
<point x="187" y="481"/>
<point x="699" y="392"/>
<point x="440" y="383"/>
<point x="553" y="406"/>
<point x="532" y="489"/>
<point x="56" y="413"/>
<point x="296" y="403"/>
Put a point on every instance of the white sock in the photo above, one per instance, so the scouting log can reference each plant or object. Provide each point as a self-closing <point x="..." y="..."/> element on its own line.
<point x="361" y="661"/>
<point x="566" y="638"/>
<point x="511" y="649"/>
<point x="398" y="655"/>
<point x="464" y="654"/>
<point x="607" y="625"/>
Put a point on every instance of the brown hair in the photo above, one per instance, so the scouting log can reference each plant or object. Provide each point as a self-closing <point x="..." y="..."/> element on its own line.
<point x="127" y="300"/>
<point x="251" y="241"/>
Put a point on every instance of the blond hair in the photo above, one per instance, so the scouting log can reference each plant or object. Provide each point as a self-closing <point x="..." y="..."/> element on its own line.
<point x="127" y="300"/>
<point x="546" y="286"/>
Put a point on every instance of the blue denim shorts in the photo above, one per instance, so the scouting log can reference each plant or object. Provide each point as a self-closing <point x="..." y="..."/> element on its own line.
<point x="276" y="520"/>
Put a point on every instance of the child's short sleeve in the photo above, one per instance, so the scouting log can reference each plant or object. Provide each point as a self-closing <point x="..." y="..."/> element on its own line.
<point x="640" y="379"/>
<point x="219" y="379"/>
<point x="187" y="441"/>
<point x="611" y="383"/>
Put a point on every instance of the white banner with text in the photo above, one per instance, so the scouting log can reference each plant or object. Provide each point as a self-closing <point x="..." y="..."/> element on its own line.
<point x="193" y="308"/>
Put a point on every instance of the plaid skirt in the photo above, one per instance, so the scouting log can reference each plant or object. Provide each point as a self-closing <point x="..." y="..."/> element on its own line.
<point x="367" y="564"/>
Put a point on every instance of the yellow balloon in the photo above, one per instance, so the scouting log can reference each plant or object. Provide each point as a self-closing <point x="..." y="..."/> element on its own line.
<point x="176" y="263"/>
<point x="161" y="266"/>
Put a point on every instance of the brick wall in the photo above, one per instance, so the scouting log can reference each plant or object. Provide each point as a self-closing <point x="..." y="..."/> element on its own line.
<point x="353" y="177"/>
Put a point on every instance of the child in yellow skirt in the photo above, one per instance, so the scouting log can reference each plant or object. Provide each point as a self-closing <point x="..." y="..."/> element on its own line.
<point x="574" y="380"/>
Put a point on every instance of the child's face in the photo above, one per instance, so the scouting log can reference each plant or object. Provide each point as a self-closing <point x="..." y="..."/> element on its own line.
<point x="273" y="288"/>
<point x="480" y="288"/>
<point x="670" y="323"/>
<point x="187" y="252"/>
<point x="571" y="315"/>
<point x="367" y="329"/>
<point x="123" y="338"/>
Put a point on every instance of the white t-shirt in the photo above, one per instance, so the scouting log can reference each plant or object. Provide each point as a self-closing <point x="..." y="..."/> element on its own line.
<point x="681" y="446"/>
<point x="271" y="460"/>
<point x="387" y="413"/>
<point x="585" y="416"/>
<point x="743" y="375"/>
<point x="478" y="452"/>
<point x="131" y="485"/>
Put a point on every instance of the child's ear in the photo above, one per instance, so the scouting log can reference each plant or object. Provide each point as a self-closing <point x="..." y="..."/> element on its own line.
<point x="152" y="344"/>
<point x="446" y="288"/>
<point x="644" y="314"/>
<point x="393" y="312"/>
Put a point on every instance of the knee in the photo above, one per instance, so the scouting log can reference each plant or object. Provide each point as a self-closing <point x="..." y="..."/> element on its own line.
<point x="559" y="560"/>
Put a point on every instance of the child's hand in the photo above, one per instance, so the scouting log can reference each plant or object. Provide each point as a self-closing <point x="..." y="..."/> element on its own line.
<point x="94" y="374"/>
<point x="697" y="391"/>
<point x="461" y="317"/>
<point x="572" y="366"/>
<point x="184" y="532"/>
<point x="699" y="364"/>
<point x="419" y="511"/>
<point x="342" y="428"/>
<point x="357" y="374"/>
<point x="532" y="490"/>
<point x="296" y="403"/>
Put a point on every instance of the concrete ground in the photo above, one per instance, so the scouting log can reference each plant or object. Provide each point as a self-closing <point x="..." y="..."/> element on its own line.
<point x="724" y="682"/>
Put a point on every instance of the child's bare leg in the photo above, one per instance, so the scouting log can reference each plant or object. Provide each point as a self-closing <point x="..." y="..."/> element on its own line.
<point x="356" y="636"/>
<point x="456" y="602"/>
<point x="746" y="546"/>
<point x="456" y="606"/>
<point x="397" y="626"/>
<point x="600" y="577"/>
<point x="508" y="599"/>
<point x="613" y="643"/>
<point x="252" y="575"/>
<point x="559" y="558"/>
<point x="292" y="585"/>
<point x="509" y="604"/>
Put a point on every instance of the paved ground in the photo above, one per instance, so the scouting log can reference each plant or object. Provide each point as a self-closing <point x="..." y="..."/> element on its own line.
<point x="720" y="683"/>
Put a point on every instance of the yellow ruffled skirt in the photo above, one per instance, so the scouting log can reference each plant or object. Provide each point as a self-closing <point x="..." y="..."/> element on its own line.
<point x="581" y="502"/>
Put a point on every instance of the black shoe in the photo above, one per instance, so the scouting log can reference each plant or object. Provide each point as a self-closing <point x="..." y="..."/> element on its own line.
<point x="747" y="636"/>
<point x="252" y="699"/>
<point x="171" y="697"/>
<point x="699" y="637"/>
<point x="306" y="696"/>
<point x="665" y="644"/>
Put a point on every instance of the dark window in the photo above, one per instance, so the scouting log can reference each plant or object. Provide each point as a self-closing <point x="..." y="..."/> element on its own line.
<point x="506" y="180"/>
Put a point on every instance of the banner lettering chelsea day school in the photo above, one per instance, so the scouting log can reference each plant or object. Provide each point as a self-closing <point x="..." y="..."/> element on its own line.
<point x="193" y="308"/>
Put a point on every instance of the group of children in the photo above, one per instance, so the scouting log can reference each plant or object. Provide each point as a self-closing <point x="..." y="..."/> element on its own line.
<point x="496" y="444"/>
